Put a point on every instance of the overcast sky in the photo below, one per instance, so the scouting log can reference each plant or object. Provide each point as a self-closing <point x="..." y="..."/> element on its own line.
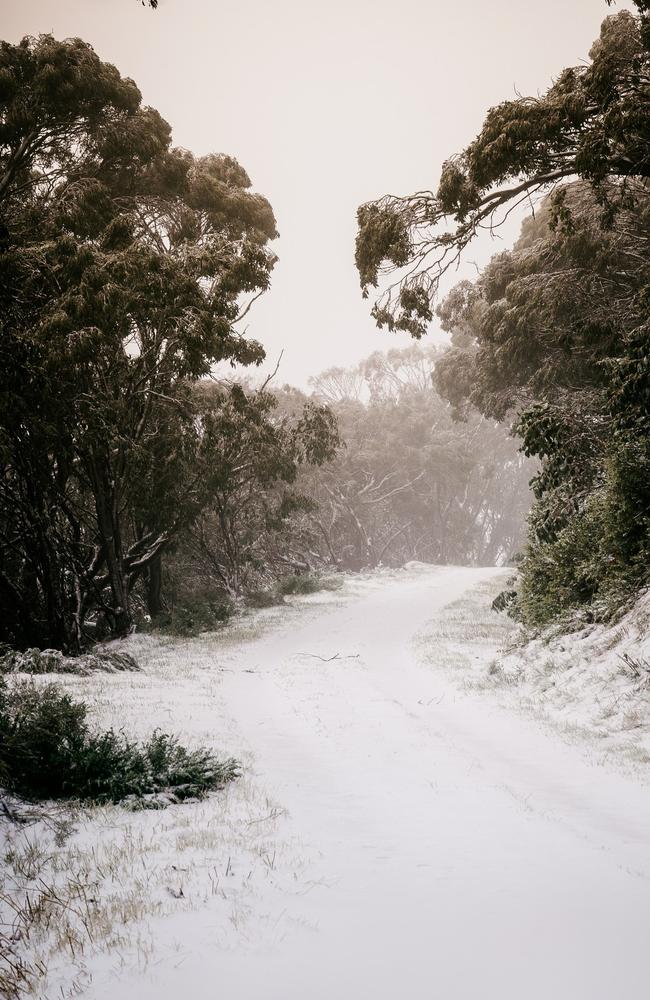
<point x="326" y="105"/>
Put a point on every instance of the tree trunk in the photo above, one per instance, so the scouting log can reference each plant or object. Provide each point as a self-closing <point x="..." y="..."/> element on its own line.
<point x="111" y="542"/>
<point x="154" y="586"/>
<point x="43" y="574"/>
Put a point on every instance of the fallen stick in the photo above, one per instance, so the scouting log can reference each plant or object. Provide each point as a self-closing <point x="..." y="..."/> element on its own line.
<point x="328" y="659"/>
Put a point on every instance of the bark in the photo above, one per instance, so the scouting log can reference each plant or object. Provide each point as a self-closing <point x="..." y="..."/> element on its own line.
<point x="106" y="508"/>
<point x="155" y="603"/>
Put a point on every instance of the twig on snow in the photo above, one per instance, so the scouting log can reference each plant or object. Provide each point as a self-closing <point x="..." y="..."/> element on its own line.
<point x="328" y="659"/>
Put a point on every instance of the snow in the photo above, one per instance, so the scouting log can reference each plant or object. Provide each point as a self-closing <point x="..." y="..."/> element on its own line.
<point x="594" y="682"/>
<point x="398" y="832"/>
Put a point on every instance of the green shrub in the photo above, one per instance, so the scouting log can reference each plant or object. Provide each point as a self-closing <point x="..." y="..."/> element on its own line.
<point x="264" y="598"/>
<point x="306" y="583"/>
<point x="192" y="617"/>
<point x="601" y="556"/>
<point x="48" y="751"/>
<point x="565" y="572"/>
<point x="287" y="586"/>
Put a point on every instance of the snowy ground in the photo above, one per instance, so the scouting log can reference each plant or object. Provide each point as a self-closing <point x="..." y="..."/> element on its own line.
<point x="397" y="831"/>
<point x="593" y="684"/>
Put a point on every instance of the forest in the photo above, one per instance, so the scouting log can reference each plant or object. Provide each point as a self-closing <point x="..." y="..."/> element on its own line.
<point x="133" y="479"/>
<point x="328" y="576"/>
<point x="138" y="485"/>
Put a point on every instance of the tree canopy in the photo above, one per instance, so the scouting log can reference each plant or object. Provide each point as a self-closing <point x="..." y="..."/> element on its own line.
<point x="593" y="123"/>
<point x="555" y="334"/>
<point x="125" y="268"/>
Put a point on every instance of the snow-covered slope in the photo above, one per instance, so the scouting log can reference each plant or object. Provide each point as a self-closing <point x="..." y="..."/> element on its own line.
<point x="593" y="684"/>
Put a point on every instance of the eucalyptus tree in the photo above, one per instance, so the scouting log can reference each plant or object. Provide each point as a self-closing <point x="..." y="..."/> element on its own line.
<point x="555" y="335"/>
<point x="592" y="123"/>
<point x="249" y="458"/>
<point x="126" y="265"/>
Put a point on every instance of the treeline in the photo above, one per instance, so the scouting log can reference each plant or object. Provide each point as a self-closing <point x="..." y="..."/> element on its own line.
<point x="556" y="331"/>
<point x="125" y="265"/>
<point x="413" y="482"/>
<point x="408" y="481"/>
<point x="554" y="336"/>
<point x="134" y="484"/>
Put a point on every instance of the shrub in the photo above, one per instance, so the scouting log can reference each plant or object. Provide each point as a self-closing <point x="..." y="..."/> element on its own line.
<point x="505" y="600"/>
<point x="46" y="661"/>
<point x="306" y="584"/>
<point x="286" y="586"/>
<point x="192" y="617"/>
<point x="48" y="751"/>
<point x="264" y="598"/>
<point x="600" y="557"/>
<point x="565" y="572"/>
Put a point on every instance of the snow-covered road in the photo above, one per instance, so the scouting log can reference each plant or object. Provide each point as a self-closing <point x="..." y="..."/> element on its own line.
<point x="449" y="849"/>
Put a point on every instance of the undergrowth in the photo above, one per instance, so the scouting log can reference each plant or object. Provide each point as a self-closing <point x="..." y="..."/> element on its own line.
<point x="306" y="583"/>
<point x="190" y="618"/>
<point x="194" y="616"/>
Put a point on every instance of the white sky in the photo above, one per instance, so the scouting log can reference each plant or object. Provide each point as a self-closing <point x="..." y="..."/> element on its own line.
<point x="326" y="105"/>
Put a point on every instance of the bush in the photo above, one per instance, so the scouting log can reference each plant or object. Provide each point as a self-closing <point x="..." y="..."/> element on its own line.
<point x="287" y="586"/>
<point x="192" y="617"/>
<point x="264" y="598"/>
<point x="46" y="661"/>
<point x="48" y="751"/>
<point x="600" y="557"/>
<point x="306" y="584"/>
<point x="506" y="600"/>
<point x="565" y="572"/>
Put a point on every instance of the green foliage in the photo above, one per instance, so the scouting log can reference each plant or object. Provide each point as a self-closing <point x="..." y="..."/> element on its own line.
<point x="558" y="575"/>
<point x="599" y="559"/>
<point x="125" y="266"/>
<point x="307" y="583"/>
<point x="266" y="598"/>
<point x="289" y="586"/>
<point x="592" y="123"/>
<point x="248" y="461"/>
<point x="192" y="616"/>
<point x="555" y="336"/>
<point x="48" y="751"/>
<point x="386" y="238"/>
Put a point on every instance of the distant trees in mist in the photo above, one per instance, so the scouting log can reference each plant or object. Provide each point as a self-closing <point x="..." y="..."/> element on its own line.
<point x="371" y="470"/>
<point x="412" y="481"/>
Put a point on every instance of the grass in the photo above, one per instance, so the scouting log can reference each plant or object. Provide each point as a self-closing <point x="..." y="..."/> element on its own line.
<point x="103" y="889"/>
<point x="117" y="871"/>
<point x="465" y="628"/>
